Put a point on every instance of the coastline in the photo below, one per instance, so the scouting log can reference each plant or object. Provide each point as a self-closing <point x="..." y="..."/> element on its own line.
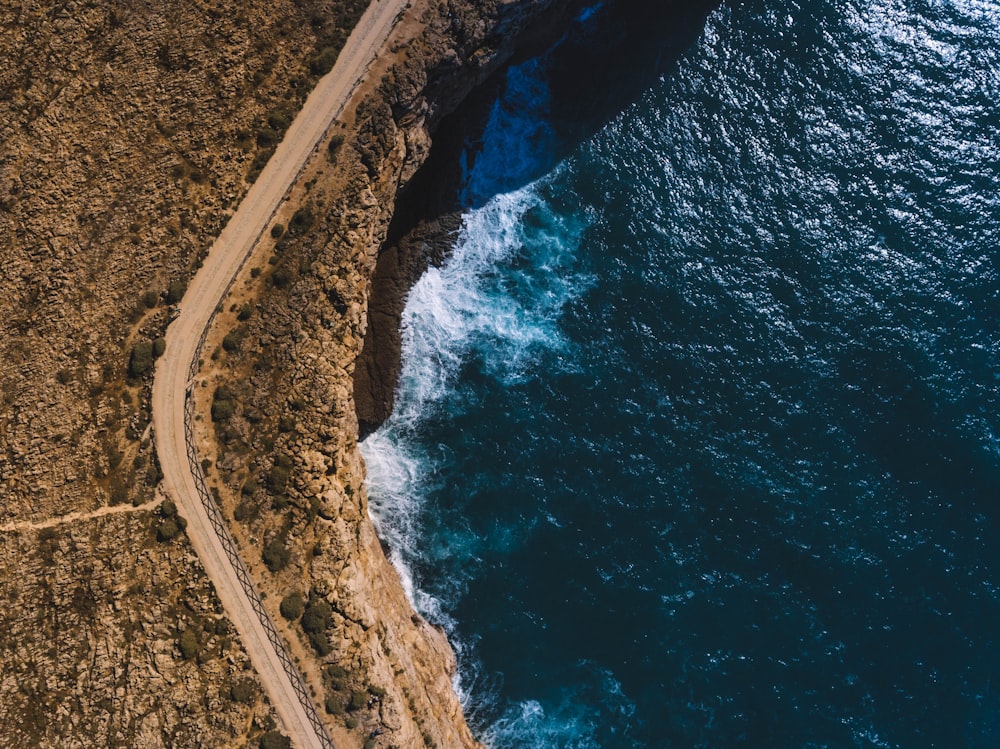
<point x="292" y="390"/>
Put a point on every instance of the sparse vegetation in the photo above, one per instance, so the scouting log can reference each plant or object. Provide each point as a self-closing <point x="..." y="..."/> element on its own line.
<point x="188" y="644"/>
<point x="175" y="291"/>
<point x="316" y="619"/>
<point x="277" y="479"/>
<point x="292" y="606"/>
<point x="276" y="554"/>
<point x="223" y="405"/>
<point x="275" y="740"/>
<point x="141" y="359"/>
<point x="243" y="691"/>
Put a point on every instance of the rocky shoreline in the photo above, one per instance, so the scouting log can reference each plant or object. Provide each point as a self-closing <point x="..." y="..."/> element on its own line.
<point x="286" y="465"/>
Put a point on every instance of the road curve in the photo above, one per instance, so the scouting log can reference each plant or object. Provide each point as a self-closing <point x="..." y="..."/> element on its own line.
<point x="185" y="334"/>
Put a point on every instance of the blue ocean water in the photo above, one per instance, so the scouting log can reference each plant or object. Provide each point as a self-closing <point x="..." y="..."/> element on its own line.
<point x="697" y="439"/>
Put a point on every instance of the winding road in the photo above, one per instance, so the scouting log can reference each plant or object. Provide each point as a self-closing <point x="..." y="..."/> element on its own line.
<point x="175" y="371"/>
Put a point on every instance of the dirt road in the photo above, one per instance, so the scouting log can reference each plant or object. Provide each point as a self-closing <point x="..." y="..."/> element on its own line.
<point x="205" y="293"/>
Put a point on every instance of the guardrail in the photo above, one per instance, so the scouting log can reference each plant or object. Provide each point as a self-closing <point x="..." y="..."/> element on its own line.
<point x="208" y="502"/>
<point x="218" y="522"/>
<point x="242" y="574"/>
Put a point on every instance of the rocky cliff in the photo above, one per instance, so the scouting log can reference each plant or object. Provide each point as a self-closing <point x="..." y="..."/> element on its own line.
<point x="278" y="403"/>
<point x="129" y="132"/>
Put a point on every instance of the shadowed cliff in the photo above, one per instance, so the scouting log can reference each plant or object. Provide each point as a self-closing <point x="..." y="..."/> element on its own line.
<point x="583" y="60"/>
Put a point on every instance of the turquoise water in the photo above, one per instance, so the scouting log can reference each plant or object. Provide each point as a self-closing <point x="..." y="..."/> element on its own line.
<point x="696" y="442"/>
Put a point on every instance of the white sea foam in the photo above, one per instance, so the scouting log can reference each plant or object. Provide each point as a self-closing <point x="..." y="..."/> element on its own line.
<point x="475" y="307"/>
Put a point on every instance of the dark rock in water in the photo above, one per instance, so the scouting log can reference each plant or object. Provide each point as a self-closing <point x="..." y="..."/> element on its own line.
<point x="399" y="267"/>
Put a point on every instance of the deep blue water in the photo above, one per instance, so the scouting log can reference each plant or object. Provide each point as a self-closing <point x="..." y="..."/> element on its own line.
<point x="697" y="442"/>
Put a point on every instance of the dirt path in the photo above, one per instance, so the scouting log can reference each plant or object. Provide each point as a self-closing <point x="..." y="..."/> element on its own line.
<point x="174" y="369"/>
<point x="72" y="517"/>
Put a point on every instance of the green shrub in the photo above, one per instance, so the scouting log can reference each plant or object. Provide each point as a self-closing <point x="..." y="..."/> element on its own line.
<point x="167" y="530"/>
<point x="334" y="145"/>
<point x="318" y="615"/>
<point x="243" y="691"/>
<point x="281" y="278"/>
<point x="276" y="555"/>
<point x="231" y="342"/>
<point x="188" y="644"/>
<point x="292" y="606"/>
<point x="276" y="231"/>
<point x="323" y="61"/>
<point x="222" y="410"/>
<point x="321" y="643"/>
<point x="267" y="136"/>
<point x="359" y="700"/>
<point x="275" y="740"/>
<point x="159" y="346"/>
<point x="141" y="360"/>
<point x="245" y="312"/>
<point x="301" y="221"/>
<point x="335" y="704"/>
<point x="150" y="299"/>
<point x="175" y="291"/>
<point x="277" y="479"/>
<point x="278" y="120"/>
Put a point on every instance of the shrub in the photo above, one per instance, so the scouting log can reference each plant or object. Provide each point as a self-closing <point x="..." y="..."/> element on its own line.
<point x="276" y="555"/>
<point x="141" y="360"/>
<point x="267" y="136"/>
<point x="277" y="230"/>
<point x="244" y="314"/>
<point x="334" y="704"/>
<point x="277" y="479"/>
<point x="323" y="61"/>
<point x="359" y="700"/>
<point x="281" y="278"/>
<point x="301" y="221"/>
<point x="318" y="615"/>
<point x="278" y="120"/>
<point x="316" y="619"/>
<point x="159" y="346"/>
<point x="259" y="162"/>
<point x="188" y="643"/>
<point x="150" y="298"/>
<point x="223" y="405"/>
<point x="222" y="410"/>
<point x="292" y="606"/>
<point x="167" y="530"/>
<point x="351" y="722"/>
<point x="243" y="691"/>
<point x="231" y="342"/>
<point x="321" y="643"/>
<point x="175" y="291"/>
<point x="275" y="740"/>
<point x="334" y="145"/>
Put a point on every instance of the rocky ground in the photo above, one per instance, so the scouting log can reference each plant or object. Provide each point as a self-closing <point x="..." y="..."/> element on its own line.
<point x="128" y="134"/>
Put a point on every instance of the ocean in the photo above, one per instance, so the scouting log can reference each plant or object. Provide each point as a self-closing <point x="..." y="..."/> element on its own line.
<point x="697" y="437"/>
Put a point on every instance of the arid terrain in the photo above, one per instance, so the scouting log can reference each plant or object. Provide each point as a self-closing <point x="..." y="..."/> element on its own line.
<point x="130" y="133"/>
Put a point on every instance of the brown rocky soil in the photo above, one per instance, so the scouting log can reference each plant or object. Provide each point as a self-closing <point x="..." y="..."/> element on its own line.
<point x="127" y="133"/>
